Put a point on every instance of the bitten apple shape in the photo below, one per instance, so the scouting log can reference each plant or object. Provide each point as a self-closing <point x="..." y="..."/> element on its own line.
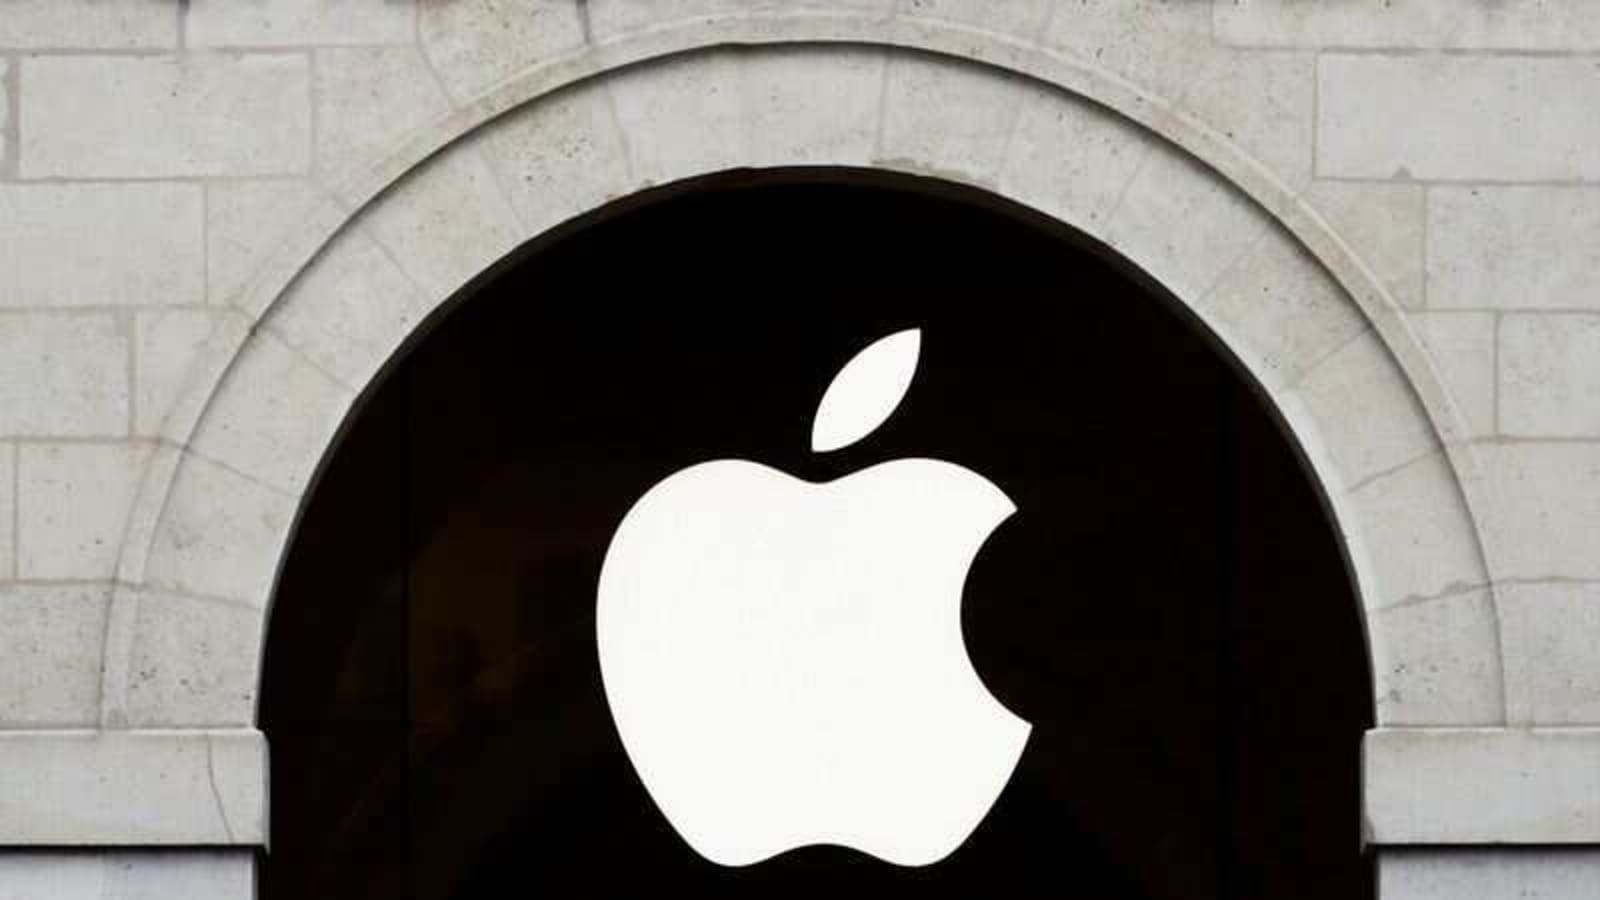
<point x="784" y="659"/>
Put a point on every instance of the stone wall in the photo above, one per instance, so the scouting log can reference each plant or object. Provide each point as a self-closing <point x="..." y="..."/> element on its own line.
<point x="216" y="220"/>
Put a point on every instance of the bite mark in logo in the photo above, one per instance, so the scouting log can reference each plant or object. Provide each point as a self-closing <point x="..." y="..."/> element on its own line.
<point x="784" y="659"/>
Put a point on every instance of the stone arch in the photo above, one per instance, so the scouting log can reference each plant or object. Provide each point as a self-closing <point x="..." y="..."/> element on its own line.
<point x="1257" y="265"/>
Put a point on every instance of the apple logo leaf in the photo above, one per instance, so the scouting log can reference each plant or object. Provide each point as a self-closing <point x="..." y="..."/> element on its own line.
<point x="866" y="391"/>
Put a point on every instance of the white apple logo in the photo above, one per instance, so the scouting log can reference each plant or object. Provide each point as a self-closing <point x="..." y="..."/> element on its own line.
<point x="784" y="659"/>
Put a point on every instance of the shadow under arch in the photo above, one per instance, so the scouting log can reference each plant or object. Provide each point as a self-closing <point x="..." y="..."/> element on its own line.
<point x="439" y="715"/>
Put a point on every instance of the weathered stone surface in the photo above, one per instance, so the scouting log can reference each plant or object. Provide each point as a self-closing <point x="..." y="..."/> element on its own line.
<point x="1079" y="187"/>
<point x="128" y="875"/>
<point x="202" y="546"/>
<point x="1157" y="44"/>
<point x="1279" y="312"/>
<point x="165" y="116"/>
<point x="350" y="310"/>
<point x="1541" y="501"/>
<point x="1170" y="186"/>
<point x="559" y="158"/>
<point x="446" y="223"/>
<point x="474" y="44"/>
<point x="63" y="375"/>
<point x="1489" y="785"/>
<point x="609" y="19"/>
<point x="1385" y="223"/>
<point x="72" y="506"/>
<point x="1016" y="18"/>
<point x="1550" y="375"/>
<point x="220" y="23"/>
<point x="368" y="100"/>
<point x="194" y="663"/>
<point x="1488" y="873"/>
<point x="1428" y="117"/>
<point x="51" y="638"/>
<point x="1413" y="24"/>
<point x="101" y="25"/>
<point x="246" y="220"/>
<point x="101" y="244"/>
<point x="151" y="788"/>
<point x="281" y="412"/>
<point x="1368" y="415"/>
<point x="1462" y="348"/>
<point x="1551" y="630"/>
<point x="1262" y="101"/>
<point x="8" y="511"/>
<point x="167" y="343"/>
<point x="1411" y="534"/>
<point x="1437" y="662"/>
<point x="1514" y="247"/>
<point x="682" y="117"/>
<point x="941" y="118"/>
<point x="816" y="105"/>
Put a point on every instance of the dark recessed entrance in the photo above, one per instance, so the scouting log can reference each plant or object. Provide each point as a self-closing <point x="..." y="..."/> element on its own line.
<point x="1169" y="606"/>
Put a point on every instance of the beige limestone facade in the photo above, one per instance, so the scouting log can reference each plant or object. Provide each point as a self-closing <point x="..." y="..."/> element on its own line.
<point x="218" y="220"/>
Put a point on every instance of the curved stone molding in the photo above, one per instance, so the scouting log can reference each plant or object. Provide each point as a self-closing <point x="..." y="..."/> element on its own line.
<point x="1278" y="287"/>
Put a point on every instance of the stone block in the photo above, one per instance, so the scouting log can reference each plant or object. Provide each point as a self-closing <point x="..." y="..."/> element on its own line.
<point x="609" y="19"/>
<point x="8" y="511"/>
<point x="350" y="309"/>
<point x="1436" y="662"/>
<point x="1542" y="508"/>
<point x="1488" y="873"/>
<point x="167" y="343"/>
<point x="1221" y="224"/>
<point x="1514" y="247"/>
<point x="1550" y="633"/>
<point x="812" y="105"/>
<point x="1014" y="18"/>
<point x="246" y="221"/>
<point x="101" y="25"/>
<point x="1461" y="346"/>
<point x="220" y="534"/>
<point x="369" y="100"/>
<point x="1263" y="101"/>
<point x="200" y="114"/>
<point x="145" y="874"/>
<point x="51" y="647"/>
<point x="1550" y="375"/>
<point x="560" y="157"/>
<point x="73" y="502"/>
<point x="476" y="44"/>
<point x="102" y="245"/>
<point x="1156" y="44"/>
<point x="681" y="117"/>
<point x="446" y="223"/>
<point x="1412" y="534"/>
<point x="194" y="663"/>
<point x="1413" y="24"/>
<point x="1452" y="117"/>
<point x="1280" y="311"/>
<point x="141" y="788"/>
<point x="1069" y="158"/>
<point x="273" y="416"/>
<point x="1482" y="786"/>
<point x="63" y="375"/>
<point x="1385" y="224"/>
<point x="1367" y="414"/>
<point x="223" y="23"/>
<point x="940" y="118"/>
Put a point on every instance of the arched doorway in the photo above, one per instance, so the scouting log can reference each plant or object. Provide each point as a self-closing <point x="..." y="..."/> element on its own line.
<point x="1169" y="607"/>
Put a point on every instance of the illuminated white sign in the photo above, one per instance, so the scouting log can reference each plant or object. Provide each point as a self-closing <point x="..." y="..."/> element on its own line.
<point x="784" y="659"/>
